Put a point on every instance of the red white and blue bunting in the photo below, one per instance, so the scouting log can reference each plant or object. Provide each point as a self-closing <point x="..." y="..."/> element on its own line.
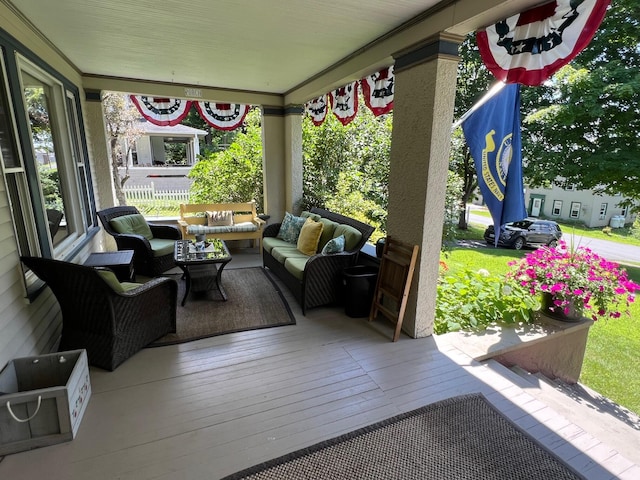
<point x="223" y="116"/>
<point x="529" y="47"/>
<point x="344" y="102"/>
<point x="377" y="90"/>
<point x="162" y="111"/>
<point x="317" y="109"/>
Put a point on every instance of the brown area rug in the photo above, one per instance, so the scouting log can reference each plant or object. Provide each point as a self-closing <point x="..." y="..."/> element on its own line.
<point x="253" y="301"/>
<point x="461" y="438"/>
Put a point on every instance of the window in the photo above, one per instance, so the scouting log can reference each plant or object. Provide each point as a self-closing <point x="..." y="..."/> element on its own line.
<point x="44" y="161"/>
<point x="575" y="210"/>
<point x="603" y="210"/>
<point x="557" y="208"/>
<point x="623" y="212"/>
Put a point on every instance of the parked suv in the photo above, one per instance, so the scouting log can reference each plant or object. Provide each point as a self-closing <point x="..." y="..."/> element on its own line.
<point x="530" y="232"/>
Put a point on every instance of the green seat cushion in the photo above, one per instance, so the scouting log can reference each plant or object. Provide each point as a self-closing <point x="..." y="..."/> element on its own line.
<point x="162" y="246"/>
<point x="327" y="232"/>
<point x="282" y="253"/>
<point x="134" y="223"/>
<point x="110" y="279"/>
<point x="295" y="266"/>
<point x="268" y="243"/>
<point x="352" y="236"/>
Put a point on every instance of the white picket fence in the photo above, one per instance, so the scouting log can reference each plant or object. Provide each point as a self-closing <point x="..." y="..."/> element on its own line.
<point x="152" y="198"/>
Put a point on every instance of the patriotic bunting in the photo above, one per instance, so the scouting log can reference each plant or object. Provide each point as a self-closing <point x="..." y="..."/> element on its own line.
<point x="529" y="47"/>
<point x="344" y="102"/>
<point x="223" y="116"/>
<point x="377" y="90"/>
<point x="317" y="109"/>
<point x="162" y="111"/>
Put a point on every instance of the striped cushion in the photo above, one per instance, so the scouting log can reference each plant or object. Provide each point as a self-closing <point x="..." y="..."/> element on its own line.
<point x="236" y="228"/>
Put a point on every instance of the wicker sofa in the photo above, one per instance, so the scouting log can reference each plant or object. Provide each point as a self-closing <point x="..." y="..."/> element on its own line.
<point x="316" y="279"/>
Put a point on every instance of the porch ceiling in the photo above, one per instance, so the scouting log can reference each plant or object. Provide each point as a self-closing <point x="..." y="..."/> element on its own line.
<point x="267" y="46"/>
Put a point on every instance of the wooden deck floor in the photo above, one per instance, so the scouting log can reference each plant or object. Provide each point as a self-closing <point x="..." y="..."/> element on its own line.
<point x="206" y="409"/>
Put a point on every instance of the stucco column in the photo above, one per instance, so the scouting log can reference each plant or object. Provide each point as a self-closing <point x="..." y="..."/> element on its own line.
<point x="425" y="87"/>
<point x="282" y="159"/>
<point x="100" y="159"/>
<point x="99" y="149"/>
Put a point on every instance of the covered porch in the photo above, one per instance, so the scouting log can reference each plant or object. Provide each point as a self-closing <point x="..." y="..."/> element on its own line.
<point x="209" y="408"/>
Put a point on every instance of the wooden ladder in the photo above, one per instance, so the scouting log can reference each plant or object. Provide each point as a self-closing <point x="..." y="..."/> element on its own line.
<point x="394" y="281"/>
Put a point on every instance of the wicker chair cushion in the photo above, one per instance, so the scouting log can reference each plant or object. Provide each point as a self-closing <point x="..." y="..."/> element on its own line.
<point x="134" y="223"/>
<point x="162" y="246"/>
<point x="110" y="279"/>
<point x="327" y="232"/>
<point x="282" y="253"/>
<point x="268" y="243"/>
<point x="335" y="245"/>
<point x="309" y="237"/>
<point x="290" y="228"/>
<point x="295" y="266"/>
<point x="352" y="236"/>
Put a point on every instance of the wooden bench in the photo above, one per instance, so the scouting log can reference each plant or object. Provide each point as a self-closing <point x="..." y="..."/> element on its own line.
<point x="245" y="224"/>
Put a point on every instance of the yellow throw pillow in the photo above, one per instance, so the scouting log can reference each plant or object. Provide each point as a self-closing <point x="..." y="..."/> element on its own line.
<point x="309" y="237"/>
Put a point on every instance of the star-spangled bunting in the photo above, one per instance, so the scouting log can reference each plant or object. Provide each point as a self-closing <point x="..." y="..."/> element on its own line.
<point x="531" y="46"/>
<point x="317" y="109"/>
<point x="377" y="90"/>
<point x="344" y="102"/>
<point x="223" y="116"/>
<point x="162" y="111"/>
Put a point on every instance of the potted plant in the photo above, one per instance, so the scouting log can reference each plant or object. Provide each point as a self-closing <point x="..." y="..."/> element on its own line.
<point x="575" y="282"/>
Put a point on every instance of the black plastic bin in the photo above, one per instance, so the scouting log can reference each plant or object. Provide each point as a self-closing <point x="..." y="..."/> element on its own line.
<point x="359" y="287"/>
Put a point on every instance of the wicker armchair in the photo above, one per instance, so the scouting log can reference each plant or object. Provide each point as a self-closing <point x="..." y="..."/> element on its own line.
<point x="111" y="326"/>
<point x="144" y="260"/>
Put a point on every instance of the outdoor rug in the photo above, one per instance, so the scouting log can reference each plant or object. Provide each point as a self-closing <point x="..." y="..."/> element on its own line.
<point x="253" y="301"/>
<point x="455" y="439"/>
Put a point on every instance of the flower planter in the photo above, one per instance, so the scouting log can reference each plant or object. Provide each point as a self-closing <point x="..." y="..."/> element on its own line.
<point x="571" y="312"/>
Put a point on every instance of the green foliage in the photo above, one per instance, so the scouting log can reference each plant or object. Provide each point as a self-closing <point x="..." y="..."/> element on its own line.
<point x="50" y="182"/>
<point x="451" y="209"/>
<point x="235" y="174"/>
<point x="350" y="160"/>
<point x="474" y="300"/>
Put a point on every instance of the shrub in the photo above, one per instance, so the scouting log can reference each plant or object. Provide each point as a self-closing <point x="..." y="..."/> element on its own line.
<point x="475" y="300"/>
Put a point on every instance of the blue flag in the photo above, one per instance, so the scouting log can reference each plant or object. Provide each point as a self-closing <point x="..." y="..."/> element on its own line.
<point x="493" y="136"/>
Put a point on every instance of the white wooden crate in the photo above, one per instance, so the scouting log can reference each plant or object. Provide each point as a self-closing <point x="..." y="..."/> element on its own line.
<point x="42" y="400"/>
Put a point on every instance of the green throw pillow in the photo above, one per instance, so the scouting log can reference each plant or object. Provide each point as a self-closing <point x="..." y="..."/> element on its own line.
<point x="335" y="245"/>
<point x="290" y="228"/>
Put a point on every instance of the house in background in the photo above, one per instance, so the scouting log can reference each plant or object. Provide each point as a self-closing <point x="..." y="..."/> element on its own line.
<point x="150" y="147"/>
<point x="565" y="202"/>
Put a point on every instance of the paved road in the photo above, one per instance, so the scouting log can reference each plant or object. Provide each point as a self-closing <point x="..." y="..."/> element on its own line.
<point x="613" y="251"/>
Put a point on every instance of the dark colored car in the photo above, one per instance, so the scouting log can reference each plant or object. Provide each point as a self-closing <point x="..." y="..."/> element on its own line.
<point x="530" y="232"/>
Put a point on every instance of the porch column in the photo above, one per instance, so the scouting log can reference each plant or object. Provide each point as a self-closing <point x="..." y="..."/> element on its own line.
<point x="282" y="159"/>
<point x="99" y="154"/>
<point x="100" y="159"/>
<point x="425" y="87"/>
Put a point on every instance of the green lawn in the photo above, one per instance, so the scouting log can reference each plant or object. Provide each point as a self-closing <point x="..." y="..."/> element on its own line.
<point x="613" y="347"/>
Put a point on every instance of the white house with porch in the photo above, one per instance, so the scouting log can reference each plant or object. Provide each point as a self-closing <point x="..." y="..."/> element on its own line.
<point x="149" y="149"/>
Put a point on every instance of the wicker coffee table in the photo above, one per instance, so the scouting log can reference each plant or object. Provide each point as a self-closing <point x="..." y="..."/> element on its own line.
<point x="202" y="267"/>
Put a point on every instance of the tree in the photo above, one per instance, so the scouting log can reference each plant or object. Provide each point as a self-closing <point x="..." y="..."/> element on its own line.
<point x="586" y="130"/>
<point x="121" y="119"/>
<point x="235" y="174"/>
